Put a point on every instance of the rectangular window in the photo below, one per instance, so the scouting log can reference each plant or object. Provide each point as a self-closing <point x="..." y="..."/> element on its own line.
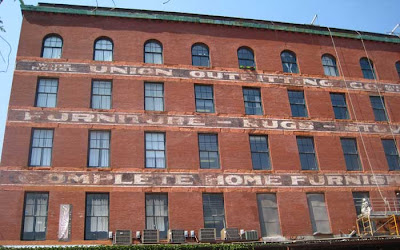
<point x="378" y="106"/>
<point x="318" y="213"/>
<point x="297" y="103"/>
<point x="154" y="96"/>
<point x="208" y="149"/>
<point x="392" y="155"/>
<point x="349" y="146"/>
<point x="204" y="98"/>
<point x="252" y="101"/>
<point x="269" y="217"/>
<point x="41" y="147"/>
<point x="101" y="94"/>
<point x="307" y="153"/>
<point x="259" y="152"/>
<point x="214" y="212"/>
<point x="339" y="106"/>
<point x="35" y="216"/>
<point x="46" y="93"/>
<point x="155" y="150"/>
<point x="359" y="198"/>
<point x="99" y="149"/>
<point x="97" y="213"/>
<point x="157" y="213"/>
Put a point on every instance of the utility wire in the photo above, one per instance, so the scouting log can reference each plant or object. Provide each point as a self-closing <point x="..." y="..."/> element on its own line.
<point x="9" y="53"/>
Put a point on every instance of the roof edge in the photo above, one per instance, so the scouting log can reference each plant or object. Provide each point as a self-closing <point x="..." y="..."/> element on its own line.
<point x="205" y="19"/>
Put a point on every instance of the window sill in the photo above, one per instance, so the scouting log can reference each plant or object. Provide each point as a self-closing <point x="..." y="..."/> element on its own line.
<point x="39" y="168"/>
<point x="94" y="169"/>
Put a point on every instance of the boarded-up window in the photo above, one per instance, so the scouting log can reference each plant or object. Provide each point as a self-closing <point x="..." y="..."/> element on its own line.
<point x="318" y="214"/>
<point x="268" y="212"/>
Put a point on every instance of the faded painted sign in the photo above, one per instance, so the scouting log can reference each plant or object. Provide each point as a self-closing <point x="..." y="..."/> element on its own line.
<point x="180" y="73"/>
<point x="150" y="179"/>
<point x="133" y="119"/>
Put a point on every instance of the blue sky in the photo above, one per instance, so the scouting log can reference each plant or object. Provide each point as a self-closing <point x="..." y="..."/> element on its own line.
<point x="363" y="15"/>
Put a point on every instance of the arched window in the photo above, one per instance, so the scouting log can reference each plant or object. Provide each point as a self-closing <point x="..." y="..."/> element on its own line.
<point x="153" y="52"/>
<point x="200" y="55"/>
<point x="398" y="68"/>
<point x="103" y="50"/>
<point x="52" y="46"/>
<point x="289" y="62"/>
<point x="367" y="68"/>
<point x="329" y="64"/>
<point x="245" y="57"/>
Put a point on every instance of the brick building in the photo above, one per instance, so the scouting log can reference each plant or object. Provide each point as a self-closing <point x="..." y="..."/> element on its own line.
<point x="128" y="119"/>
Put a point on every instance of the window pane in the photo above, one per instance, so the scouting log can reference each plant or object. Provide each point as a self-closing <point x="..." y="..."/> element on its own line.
<point x="246" y="57"/>
<point x="339" y="105"/>
<point x="35" y="216"/>
<point x="155" y="150"/>
<point x="46" y="93"/>
<point x="329" y="64"/>
<point x="392" y="155"/>
<point x="350" y="152"/>
<point x="367" y="68"/>
<point x="297" y="103"/>
<point x="41" y="147"/>
<point x="204" y="98"/>
<point x="103" y="50"/>
<point x="213" y="212"/>
<point x="52" y="46"/>
<point x="252" y="101"/>
<point x="208" y="151"/>
<point x="398" y="68"/>
<point x="259" y="152"/>
<point x="154" y="96"/>
<point x="378" y="106"/>
<point x="99" y="149"/>
<point x="200" y="56"/>
<point x="289" y="62"/>
<point x="153" y="52"/>
<point x="97" y="213"/>
<point x="101" y="94"/>
<point x="157" y="213"/>
<point x="307" y="154"/>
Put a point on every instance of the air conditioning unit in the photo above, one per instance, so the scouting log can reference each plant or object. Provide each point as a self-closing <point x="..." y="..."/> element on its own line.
<point x="230" y="234"/>
<point x="250" y="235"/>
<point x="176" y="236"/>
<point x="207" y="235"/>
<point x="123" y="237"/>
<point x="150" y="236"/>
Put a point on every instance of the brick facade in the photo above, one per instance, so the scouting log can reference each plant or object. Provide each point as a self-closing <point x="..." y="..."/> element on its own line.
<point x="127" y="146"/>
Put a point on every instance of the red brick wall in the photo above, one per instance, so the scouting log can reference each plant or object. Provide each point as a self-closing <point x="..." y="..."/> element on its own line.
<point x="185" y="210"/>
<point x="341" y="211"/>
<point x="177" y="39"/>
<point x="127" y="206"/>
<point x="294" y="214"/>
<point x="242" y="211"/>
<point x="11" y="209"/>
<point x="70" y="147"/>
<point x="16" y="146"/>
<point x="127" y="211"/>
